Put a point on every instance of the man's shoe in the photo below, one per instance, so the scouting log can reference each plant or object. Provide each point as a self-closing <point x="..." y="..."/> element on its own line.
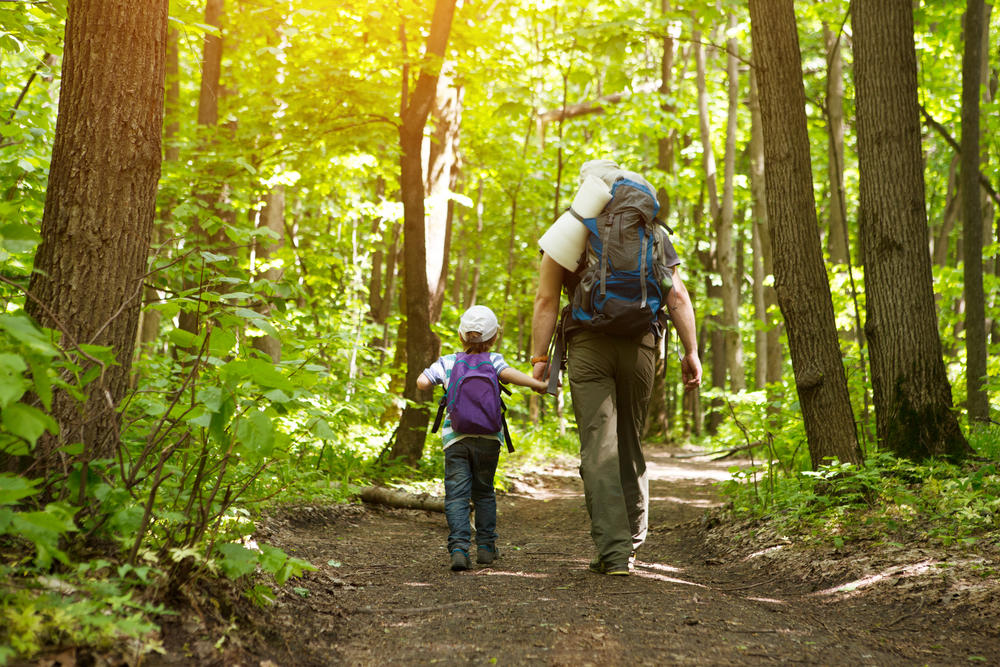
<point x="459" y="560"/>
<point x="486" y="554"/>
<point x="616" y="569"/>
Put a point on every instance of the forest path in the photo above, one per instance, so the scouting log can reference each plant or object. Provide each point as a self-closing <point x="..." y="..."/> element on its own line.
<point x="385" y="595"/>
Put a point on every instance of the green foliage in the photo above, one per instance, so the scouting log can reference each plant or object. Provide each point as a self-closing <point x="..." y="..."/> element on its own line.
<point x="887" y="497"/>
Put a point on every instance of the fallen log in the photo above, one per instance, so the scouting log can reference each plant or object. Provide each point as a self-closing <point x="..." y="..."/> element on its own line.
<point x="379" y="495"/>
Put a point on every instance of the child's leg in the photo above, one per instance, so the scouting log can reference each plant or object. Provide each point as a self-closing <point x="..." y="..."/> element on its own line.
<point x="457" y="485"/>
<point x="486" y="455"/>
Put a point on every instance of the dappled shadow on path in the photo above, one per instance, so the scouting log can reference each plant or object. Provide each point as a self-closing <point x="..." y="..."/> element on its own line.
<point x="384" y="594"/>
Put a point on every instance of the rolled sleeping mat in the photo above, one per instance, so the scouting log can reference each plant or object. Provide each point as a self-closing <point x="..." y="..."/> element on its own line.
<point x="566" y="239"/>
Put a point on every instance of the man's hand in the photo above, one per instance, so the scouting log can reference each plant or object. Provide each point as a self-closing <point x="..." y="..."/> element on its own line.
<point x="691" y="371"/>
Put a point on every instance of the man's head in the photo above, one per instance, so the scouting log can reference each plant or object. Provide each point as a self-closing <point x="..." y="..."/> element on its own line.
<point x="478" y="329"/>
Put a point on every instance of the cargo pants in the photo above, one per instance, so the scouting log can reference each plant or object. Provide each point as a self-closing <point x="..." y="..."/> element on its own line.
<point x="611" y="380"/>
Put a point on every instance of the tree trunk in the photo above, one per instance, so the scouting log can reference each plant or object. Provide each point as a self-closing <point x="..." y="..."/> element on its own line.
<point x="100" y="205"/>
<point x="800" y="276"/>
<point x="912" y="395"/>
<point x="150" y="317"/>
<point x="208" y="116"/>
<point x="272" y="217"/>
<point x="836" y="236"/>
<point x="972" y="216"/>
<point x="422" y="345"/>
<point x="767" y="340"/>
<point x="658" y="414"/>
<point x="731" y="280"/>
<point x="441" y="148"/>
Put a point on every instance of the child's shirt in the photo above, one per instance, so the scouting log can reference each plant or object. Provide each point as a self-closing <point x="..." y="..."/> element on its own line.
<point x="439" y="373"/>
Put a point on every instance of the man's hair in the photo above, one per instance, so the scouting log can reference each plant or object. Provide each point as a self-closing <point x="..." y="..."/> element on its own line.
<point x="481" y="346"/>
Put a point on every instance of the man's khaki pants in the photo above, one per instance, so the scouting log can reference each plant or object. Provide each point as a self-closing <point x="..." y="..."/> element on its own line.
<point x="611" y="380"/>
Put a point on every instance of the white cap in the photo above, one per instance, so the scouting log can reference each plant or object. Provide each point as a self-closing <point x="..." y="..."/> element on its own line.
<point x="478" y="320"/>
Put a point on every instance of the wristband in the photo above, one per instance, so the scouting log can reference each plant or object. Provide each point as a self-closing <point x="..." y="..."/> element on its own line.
<point x="541" y="357"/>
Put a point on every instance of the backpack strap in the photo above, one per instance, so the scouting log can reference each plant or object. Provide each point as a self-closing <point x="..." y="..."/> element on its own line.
<point x="642" y="266"/>
<point x="503" y="417"/>
<point x="440" y="413"/>
<point x="605" y="260"/>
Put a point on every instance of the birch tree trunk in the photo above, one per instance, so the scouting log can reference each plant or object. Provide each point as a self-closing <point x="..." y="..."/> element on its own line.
<point x="725" y="251"/>
<point x="836" y="235"/>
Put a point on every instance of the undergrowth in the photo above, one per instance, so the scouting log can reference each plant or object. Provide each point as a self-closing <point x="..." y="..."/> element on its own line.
<point x="886" y="499"/>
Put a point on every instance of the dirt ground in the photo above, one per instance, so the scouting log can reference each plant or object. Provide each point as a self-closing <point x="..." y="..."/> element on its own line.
<point x="703" y="592"/>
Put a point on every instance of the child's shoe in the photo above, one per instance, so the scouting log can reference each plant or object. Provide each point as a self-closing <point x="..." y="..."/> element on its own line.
<point x="486" y="554"/>
<point x="460" y="560"/>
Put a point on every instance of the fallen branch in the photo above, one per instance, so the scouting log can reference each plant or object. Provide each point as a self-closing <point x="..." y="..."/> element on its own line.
<point x="741" y="448"/>
<point x="379" y="495"/>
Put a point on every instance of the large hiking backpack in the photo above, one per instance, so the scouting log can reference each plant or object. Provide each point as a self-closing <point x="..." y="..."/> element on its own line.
<point x="624" y="277"/>
<point x="473" y="398"/>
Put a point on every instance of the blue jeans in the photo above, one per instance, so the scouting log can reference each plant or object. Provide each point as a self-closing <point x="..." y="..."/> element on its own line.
<point x="469" y="467"/>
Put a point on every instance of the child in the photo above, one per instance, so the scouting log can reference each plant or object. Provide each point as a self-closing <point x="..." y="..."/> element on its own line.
<point x="470" y="461"/>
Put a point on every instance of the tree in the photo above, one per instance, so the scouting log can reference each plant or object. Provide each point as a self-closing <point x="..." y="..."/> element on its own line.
<point x="100" y="204"/>
<point x="799" y="274"/>
<point x="972" y="214"/>
<point x="912" y="395"/>
<point x="422" y="345"/>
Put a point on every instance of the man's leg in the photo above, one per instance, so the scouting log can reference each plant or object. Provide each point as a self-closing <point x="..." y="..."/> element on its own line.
<point x="636" y="368"/>
<point x="591" y="374"/>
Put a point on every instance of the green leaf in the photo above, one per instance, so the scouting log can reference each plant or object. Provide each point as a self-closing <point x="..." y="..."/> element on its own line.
<point x="237" y="560"/>
<point x="27" y="422"/>
<point x="182" y="338"/>
<point x="43" y="383"/>
<point x="272" y="558"/>
<point x="255" y="435"/>
<point x="221" y="343"/>
<point x="14" y="487"/>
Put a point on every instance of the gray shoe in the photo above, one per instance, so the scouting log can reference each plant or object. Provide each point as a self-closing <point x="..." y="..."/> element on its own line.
<point x="460" y="560"/>
<point x="486" y="554"/>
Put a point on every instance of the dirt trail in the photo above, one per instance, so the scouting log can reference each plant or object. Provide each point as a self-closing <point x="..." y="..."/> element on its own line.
<point x="384" y="593"/>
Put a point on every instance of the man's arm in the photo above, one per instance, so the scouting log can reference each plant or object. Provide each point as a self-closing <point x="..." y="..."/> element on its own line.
<point x="682" y="315"/>
<point x="546" y="312"/>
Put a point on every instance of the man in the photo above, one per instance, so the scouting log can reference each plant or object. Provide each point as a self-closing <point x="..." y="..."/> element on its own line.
<point x="611" y="379"/>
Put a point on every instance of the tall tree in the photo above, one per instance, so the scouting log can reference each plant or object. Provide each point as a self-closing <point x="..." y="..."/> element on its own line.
<point x="799" y="273"/>
<point x="422" y="345"/>
<point x="726" y="249"/>
<point x="912" y="395"/>
<point x="836" y="237"/>
<point x="972" y="214"/>
<point x="100" y="203"/>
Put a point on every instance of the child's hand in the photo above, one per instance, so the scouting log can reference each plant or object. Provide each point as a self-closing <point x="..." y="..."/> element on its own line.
<point x="540" y="386"/>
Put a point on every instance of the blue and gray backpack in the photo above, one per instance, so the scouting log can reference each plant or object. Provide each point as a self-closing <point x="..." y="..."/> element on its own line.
<point x="624" y="276"/>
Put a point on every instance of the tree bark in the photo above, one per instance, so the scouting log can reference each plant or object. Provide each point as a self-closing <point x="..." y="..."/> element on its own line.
<point x="912" y="395"/>
<point x="726" y="251"/>
<point x="972" y="216"/>
<point x="422" y="345"/>
<point x="836" y="235"/>
<point x="100" y="205"/>
<point x="441" y="148"/>
<point x="272" y="217"/>
<point x="800" y="276"/>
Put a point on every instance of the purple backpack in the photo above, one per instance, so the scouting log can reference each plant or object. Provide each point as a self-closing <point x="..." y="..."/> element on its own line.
<point x="474" y="403"/>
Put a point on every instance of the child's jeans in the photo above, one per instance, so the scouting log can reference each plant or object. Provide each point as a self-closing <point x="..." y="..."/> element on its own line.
<point x="469" y="467"/>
